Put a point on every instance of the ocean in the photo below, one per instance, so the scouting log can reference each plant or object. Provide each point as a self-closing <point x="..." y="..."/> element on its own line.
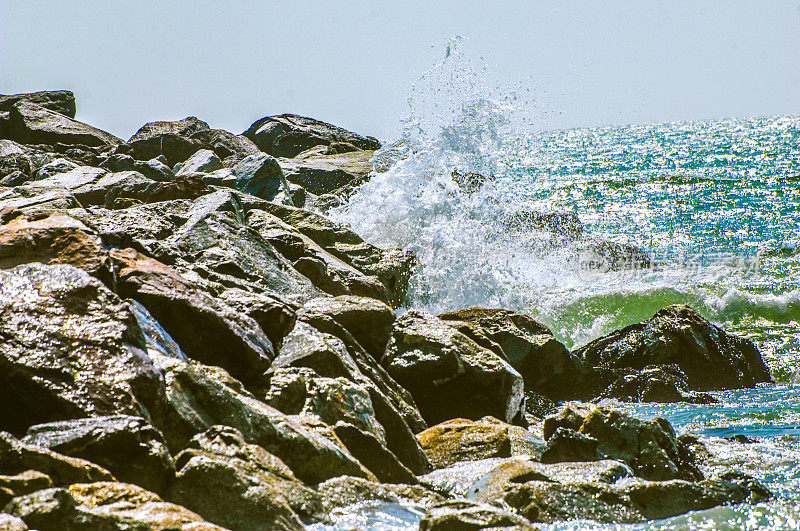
<point x="715" y="204"/>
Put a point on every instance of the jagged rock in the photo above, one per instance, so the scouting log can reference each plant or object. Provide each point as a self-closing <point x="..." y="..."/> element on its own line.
<point x="240" y="485"/>
<point x="51" y="239"/>
<point x="708" y="356"/>
<point x="204" y="161"/>
<point x="602" y="256"/>
<point x="655" y="383"/>
<point x="325" y="271"/>
<point x="128" y="447"/>
<point x="69" y="348"/>
<point x="323" y="174"/>
<point x="227" y="146"/>
<point x="564" y="224"/>
<point x="448" y="374"/>
<point x="275" y="317"/>
<point x="465" y="514"/>
<point x="12" y="523"/>
<point x="258" y="175"/>
<point x="372" y="453"/>
<point x="628" y="503"/>
<point x="205" y="396"/>
<point x="153" y="169"/>
<point x="32" y="124"/>
<point x="22" y="484"/>
<point x="650" y="447"/>
<point x="170" y="139"/>
<point x="205" y="328"/>
<point x="469" y="182"/>
<point x="391" y="266"/>
<point x="544" y="363"/>
<point x="345" y="491"/>
<point x="288" y="135"/>
<point x="59" y="165"/>
<point x="125" y="194"/>
<point x="60" y="101"/>
<point x="17" y="457"/>
<point x="368" y="321"/>
<point x="394" y="409"/>
<point x="104" y="505"/>
<point x="569" y="445"/>
<point x="461" y="440"/>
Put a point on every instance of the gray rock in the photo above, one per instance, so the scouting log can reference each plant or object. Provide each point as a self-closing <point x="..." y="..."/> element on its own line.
<point x="127" y="446"/>
<point x="569" y="445"/>
<point x="204" y="160"/>
<point x="258" y="175"/>
<point x="287" y="135"/>
<point x="32" y="124"/>
<point x="153" y="169"/>
<point x="228" y="147"/>
<point x="60" y="101"/>
<point x="323" y="174"/>
<point x="448" y="374"/>
<point x="57" y="166"/>
<point x="465" y="514"/>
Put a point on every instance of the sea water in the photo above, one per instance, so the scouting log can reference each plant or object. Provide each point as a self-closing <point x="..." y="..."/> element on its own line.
<point x="715" y="204"/>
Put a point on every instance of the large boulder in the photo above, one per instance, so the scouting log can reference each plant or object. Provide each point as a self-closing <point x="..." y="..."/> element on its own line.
<point x="203" y="161"/>
<point x="649" y="447"/>
<point x="466" y="514"/>
<point x="325" y="174"/>
<point x="154" y="169"/>
<point x="448" y="374"/>
<point x="170" y="139"/>
<point x="17" y="457"/>
<point x="230" y="148"/>
<point x="678" y="335"/>
<point x="544" y="363"/>
<point x="60" y="101"/>
<point x="127" y="446"/>
<point x="240" y="485"/>
<point x="288" y="135"/>
<point x="259" y="175"/>
<point x="103" y="505"/>
<point x="206" y="329"/>
<point x="69" y="348"/>
<point x="32" y="124"/>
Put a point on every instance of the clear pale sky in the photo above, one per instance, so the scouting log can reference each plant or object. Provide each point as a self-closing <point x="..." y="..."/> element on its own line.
<point x="352" y="63"/>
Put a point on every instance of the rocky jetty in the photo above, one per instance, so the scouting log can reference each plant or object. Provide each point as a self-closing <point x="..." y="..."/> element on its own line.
<point x="187" y="342"/>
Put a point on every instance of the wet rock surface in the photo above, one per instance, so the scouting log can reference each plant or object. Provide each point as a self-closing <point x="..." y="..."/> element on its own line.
<point x="183" y="346"/>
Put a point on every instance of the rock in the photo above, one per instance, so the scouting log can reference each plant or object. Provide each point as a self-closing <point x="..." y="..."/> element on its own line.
<point x="69" y="348"/>
<point x="469" y="182"/>
<point x="655" y="383"/>
<point x="709" y="357"/>
<point x="465" y="514"/>
<point x="544" y="363"/>
<point x="392" y="267"/>
<point x="324" y="174"/>
<point x="327" y="272"/>
<point x="288" y="135"/>
<point x="124" y="195"/>
<point x="602" y="256"/>
<point x="368" y="321"/>
<point x="104" y="505"/>
<point x="154" y="169"/>
<point x="650" y="447"/>
<point x="204" y="161"/>
<point x="569" y="445"/>
<point x="258" y="175"/>
<point x="127" y="446"/>
<point x="394" y="409"/>
<point x="11" y="523"/>
<point x="461" y="440"/>
<point x="626" y="502"/>
<point x="18" y="457"/>
<point x="60" y="101"/>
<point x="52" y="239"/>
<point x="170" y="139"/>
<point x="372" y="453"/>
<point x="33" y="124"/>
<point x="59" y="165"/>
<point x="205" y="396"/>
<point x="205" y="328"/>
<point x="346" y="491"/>
<point x="21" y="484"/>
<point x="240" y="485"/>
<point x="275" y="317"/>
<point x="227" y="146"/>
<point x="564" y="224"/>
<point x="448" y="374"/>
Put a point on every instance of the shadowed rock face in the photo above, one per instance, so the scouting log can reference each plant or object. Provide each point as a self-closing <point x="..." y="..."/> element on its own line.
<point x="288" y="135"/>
<point x="448" y="374"/>
<point x="32" y="124"/>
<point x="60" y="101"/>
<point x="709" y="357"/>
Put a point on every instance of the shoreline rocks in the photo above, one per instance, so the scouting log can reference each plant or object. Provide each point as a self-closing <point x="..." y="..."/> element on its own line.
<point x="183" y="347"/>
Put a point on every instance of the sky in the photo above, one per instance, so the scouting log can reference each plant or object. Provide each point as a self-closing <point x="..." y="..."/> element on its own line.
<point x="586" y="63"/>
